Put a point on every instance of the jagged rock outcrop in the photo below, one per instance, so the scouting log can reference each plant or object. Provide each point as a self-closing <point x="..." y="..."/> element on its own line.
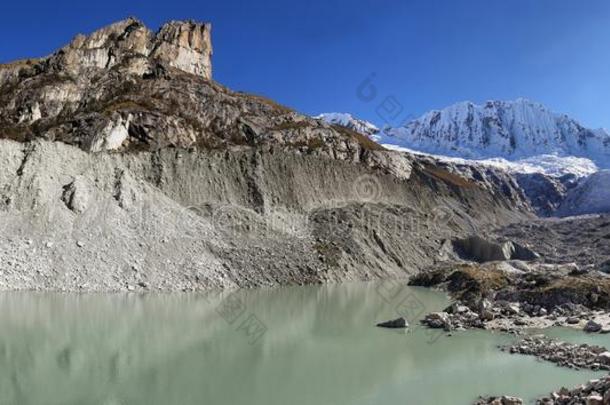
<point x="186" y="46"/>
<point x="126" y="88"/>
<point x="128" y="44"/>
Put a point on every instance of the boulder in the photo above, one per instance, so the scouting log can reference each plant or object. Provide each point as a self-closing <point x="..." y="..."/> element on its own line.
<point x="592" y="327"/>
<point x="604" y="267"/>
<point x="511" y="401"/>
<point x="76" y="195"/>
<point x="437" y="320"/>
<point x="594" y="400"/>
<point x="457" y="308"/>
<point x="607" y="397"/>
<point x="484" y="308"/>
<point x="573" y="320"/>
<point x="395" y="323"/>
<point x="523" y="253"/>
<point x="603" y="358"/>
<point x="513" y="308"/>
<point x="520" y="322"/>
<point x="504" y="400"/>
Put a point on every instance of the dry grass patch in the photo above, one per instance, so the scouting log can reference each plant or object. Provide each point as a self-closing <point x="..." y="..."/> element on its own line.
<point x="20" y="63"/>
<point x="267" y="101"/>
<point x="362" y="140"/>
<point x="448" y="177"/>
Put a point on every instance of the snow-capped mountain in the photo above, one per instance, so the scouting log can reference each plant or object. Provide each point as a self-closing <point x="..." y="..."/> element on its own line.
<point x="512" y="130"/>
<point x="349" y="121"/>
<point x="553" y="158"/>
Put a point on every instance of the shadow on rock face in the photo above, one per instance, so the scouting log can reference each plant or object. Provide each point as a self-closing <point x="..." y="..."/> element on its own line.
<point x="480" y="250"/>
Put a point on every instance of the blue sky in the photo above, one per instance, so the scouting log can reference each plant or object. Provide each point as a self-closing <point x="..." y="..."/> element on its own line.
<point x="417" y="55"/>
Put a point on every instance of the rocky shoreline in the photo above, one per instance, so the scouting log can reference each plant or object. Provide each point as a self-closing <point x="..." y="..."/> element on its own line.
<point x="563" y="354"/>
<point x="594" y="392"/>
<point x="515" y="317"/>
<point x="576" y="356"/>
<point x="493" y="290"/>
<point x="511" y="296"/>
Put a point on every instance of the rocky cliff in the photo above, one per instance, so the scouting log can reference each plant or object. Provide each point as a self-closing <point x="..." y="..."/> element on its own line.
<point x="127" y="45"/>
<point x="124" y="166"/>
<point x="125" y="88"/>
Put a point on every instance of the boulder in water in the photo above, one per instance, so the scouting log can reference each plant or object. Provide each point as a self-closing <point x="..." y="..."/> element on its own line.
<point x="592" y="327"/>
<point x="394" y="324"/>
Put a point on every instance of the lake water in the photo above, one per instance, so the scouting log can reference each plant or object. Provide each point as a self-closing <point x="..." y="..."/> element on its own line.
<point x="298" y="345"/>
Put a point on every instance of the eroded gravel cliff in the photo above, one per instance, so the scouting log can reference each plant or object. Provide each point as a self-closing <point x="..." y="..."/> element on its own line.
<point x="178" y="219"/>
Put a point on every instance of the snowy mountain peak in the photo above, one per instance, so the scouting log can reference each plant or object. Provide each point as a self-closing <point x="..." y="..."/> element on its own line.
<point x="508" y="129"/>
<point x="351" y="122"/>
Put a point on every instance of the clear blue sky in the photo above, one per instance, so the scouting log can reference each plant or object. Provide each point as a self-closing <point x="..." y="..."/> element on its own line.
<point x="312" y="54"/>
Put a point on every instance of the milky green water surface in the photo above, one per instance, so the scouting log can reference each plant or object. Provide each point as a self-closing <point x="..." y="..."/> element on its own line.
<point x="297" y="345"/>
